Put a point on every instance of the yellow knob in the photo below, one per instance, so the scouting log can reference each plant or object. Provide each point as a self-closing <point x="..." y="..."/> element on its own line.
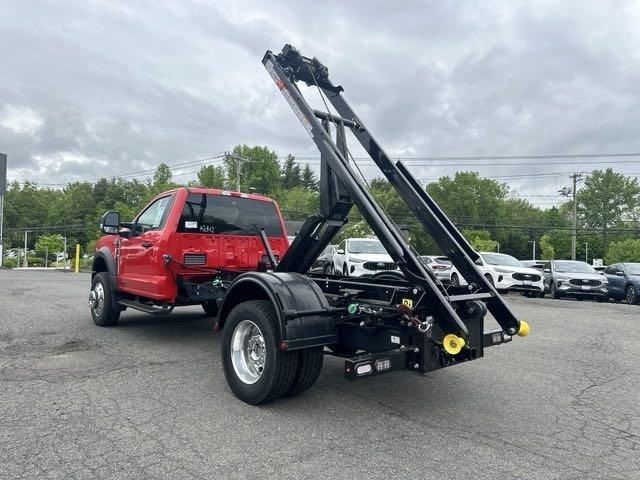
<point x="452" y="344"/>
<point x="523" y="330"/>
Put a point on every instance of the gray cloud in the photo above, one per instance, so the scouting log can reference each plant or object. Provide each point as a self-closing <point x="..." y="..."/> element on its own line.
<point x="122" y="87"/>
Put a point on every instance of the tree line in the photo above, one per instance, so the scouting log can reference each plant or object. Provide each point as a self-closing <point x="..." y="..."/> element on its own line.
<point x="487" y="211"/>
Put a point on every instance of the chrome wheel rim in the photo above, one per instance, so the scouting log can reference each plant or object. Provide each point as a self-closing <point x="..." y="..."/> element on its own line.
<point x="96" y="299"/>
<point x="630" y="294"/>
<point x="248" y="352"/>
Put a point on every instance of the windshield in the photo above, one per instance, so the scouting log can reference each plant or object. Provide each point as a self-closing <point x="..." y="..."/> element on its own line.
<point x="229" y="215"/>
<point x="365" y="246"/>
<point x="632" y="268"/>
<point x="501" y="259"/>
<point x="572" y="267"/>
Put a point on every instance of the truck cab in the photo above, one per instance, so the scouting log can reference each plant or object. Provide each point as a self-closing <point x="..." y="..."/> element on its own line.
<point x="177" y="247"/>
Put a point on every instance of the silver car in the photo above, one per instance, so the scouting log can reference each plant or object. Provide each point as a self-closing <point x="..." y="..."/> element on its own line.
<point x="571" y="278"/>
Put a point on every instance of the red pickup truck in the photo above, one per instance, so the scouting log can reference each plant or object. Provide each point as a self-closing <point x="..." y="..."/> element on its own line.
<point x="175" y="251"/>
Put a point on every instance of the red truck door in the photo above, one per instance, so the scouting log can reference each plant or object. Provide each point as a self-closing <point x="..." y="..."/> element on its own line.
<point x="141" y="271"/>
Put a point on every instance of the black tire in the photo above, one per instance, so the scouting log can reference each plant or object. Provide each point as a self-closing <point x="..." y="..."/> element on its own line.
<point x="210" y="308"/>
<point x="328" y="269"/>
<point x="455" y="280"/>
<point x="631" y="295"/>
<point x="280" y="367"/>
<point x="602" y="299"/>
<point x="345" y="270"/>
<point x="541" y="294"/>
<point x="109" y="314"/>
<point x="489" y="279"/>
<point x="389" y="275"/>
<point x="309" y="367"/>
<point x="553" y="291"/>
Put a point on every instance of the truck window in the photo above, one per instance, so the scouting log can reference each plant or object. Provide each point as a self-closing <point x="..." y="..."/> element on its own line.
<point x="154" y="216"/>
<point x="228" y="215"/>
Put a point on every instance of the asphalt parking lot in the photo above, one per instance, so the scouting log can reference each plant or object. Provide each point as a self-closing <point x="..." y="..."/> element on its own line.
<point x="148" y="399"/>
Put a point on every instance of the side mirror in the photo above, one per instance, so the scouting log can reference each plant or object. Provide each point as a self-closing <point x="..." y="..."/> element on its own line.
<point x="340" y="251"/>
<point x="110" y="223"/>
<point x="546" y="270"/>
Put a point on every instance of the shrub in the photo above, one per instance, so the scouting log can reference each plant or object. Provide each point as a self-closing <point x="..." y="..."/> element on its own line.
<point x="9" y="263"/>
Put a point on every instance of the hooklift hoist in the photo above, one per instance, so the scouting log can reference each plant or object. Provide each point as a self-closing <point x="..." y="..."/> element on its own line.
<point x="390" y="321"/>
<point x="277" y="320"/>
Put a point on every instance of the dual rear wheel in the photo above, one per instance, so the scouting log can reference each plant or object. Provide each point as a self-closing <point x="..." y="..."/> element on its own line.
<point x="256" y="369"/>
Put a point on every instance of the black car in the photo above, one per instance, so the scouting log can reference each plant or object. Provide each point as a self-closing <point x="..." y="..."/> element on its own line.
<point x="624" y="282"/>
<point x="324" y="263"/>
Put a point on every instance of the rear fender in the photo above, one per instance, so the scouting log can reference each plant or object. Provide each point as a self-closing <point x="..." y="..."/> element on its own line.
<point x="287" y="292"/>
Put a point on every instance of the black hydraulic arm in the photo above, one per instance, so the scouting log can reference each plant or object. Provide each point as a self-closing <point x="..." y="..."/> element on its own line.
<point x="383" y="227"/>
<point x="289" y="67"/>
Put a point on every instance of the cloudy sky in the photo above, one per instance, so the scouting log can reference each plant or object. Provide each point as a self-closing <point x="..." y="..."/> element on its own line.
<point x="108" y="88"/>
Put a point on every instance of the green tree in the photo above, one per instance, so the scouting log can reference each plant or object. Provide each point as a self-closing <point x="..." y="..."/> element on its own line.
<point x="309" y="179"/>
<point x="480" y="240"/>
<point x="259" y="169"/>
<point x="211" y="176"/>
<point x="291" y="174"/>
<point x="624" y="251"/>
<point x="469" y="198"/>
<point x="50" y="244"/>
<point x="162" y="176"/>
<point x="546" y="248"/>
<point x="298" y="203"/>
<point x="606" y="200"/>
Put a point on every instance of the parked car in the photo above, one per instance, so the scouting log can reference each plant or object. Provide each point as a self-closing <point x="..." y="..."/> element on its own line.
<point x="624" y="282"/>
<point x="324" y="263"/>
<point x="362" y="256"/>
<point x="572" y="278"/>
<point x="512" y="275"/>
<point x="444" y="270"/>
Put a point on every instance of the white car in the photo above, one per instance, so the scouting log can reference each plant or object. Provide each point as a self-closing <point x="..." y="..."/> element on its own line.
<point x="361" y="256"/>
<point x="511" y="275"/>
<point x="444" y="270"/>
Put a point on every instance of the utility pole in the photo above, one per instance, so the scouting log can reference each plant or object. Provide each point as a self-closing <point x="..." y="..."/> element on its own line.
<point x="534" y="248"/>
<point x="586" y="252"/>
<point x="576" y="177"/>
<point x="24" y="264"/>
<point x="239" y="160"/>
<point x="3" y="188"/>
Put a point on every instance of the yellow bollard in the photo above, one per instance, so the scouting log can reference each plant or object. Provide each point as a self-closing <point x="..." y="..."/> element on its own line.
<point x="77" y="257"/>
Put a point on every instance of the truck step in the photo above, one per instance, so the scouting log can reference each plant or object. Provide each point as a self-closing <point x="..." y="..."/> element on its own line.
<point x="143" y="307"/>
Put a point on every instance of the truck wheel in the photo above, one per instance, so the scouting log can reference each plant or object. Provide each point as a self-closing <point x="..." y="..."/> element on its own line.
<point x="345" y="270"/>
<point x="256" y="370"/>
<point x="455" y="281"/>
<point x="101" y="301"/>
<point x="309" y="367"/>
<point x="631" y="296"/>
<point x="210" y="308"/>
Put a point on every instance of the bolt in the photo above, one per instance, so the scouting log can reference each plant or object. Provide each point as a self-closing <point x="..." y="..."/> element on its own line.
<point x="416" y="366"/>
<point x="416" y="350"/>
<point x="415" y="291"/>
<point x="362" y="324"/>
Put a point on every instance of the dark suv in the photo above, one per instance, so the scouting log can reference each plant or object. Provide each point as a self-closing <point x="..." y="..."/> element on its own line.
<point x="624" y="282"/>
<point x="571" y="278"/>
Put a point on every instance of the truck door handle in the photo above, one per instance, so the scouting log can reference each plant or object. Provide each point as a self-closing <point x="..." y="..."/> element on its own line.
<point x="147" y="244"/>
